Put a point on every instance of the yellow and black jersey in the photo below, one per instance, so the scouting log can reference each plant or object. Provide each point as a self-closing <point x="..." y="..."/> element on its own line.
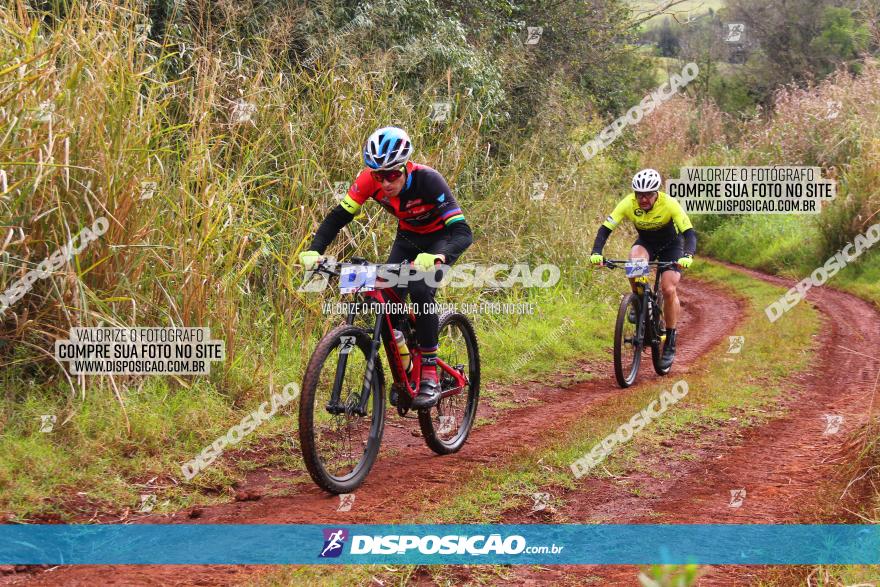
<point x="665" y="226"/>
<point x="662" y="223"/>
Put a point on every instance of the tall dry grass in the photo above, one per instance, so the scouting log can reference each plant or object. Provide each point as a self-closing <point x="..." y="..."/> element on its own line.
<point x="835" y="125"/>
<point x="243" y="150"/>
<point x="683" y="128"/>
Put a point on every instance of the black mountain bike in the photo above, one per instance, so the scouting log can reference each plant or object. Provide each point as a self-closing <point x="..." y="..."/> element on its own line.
<point x="639" y="321"/>
<point x="342" y="405"/>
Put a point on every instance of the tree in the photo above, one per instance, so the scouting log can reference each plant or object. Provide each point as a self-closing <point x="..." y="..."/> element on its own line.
<point x="667" y="40"/>
<point x="842" y="38"/>
<point x="800" y="40"/>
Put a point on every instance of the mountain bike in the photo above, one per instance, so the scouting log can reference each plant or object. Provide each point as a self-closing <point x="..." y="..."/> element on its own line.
<point x="342" y="404"/>
<point x="639" y="321"/>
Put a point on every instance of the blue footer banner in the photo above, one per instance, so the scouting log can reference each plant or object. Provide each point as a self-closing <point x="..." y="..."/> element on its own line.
<point x="524" y="544"/>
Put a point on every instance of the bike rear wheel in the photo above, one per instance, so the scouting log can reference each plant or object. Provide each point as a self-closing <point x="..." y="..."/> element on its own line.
<point x="658" y="337"/>
<point x="339" y="449"/>
<point x="627" y="352"/>
<point x="447" y="425"/>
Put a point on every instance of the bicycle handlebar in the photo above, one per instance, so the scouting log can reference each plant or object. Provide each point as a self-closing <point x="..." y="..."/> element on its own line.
<point x="618" y="263"/>
<point x="324" y="266"/>
<point x="330" y="268"/>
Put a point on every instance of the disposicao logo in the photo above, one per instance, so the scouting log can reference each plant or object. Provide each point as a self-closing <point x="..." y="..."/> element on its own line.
<point x="334" y="540"/>
<point x="432" y="544"/>
<point x="474" y="545"/>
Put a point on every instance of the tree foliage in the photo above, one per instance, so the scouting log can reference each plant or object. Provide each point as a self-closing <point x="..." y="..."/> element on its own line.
<point x="800" y="40"/>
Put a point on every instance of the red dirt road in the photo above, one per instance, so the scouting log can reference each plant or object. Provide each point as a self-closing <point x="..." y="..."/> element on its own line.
<point x="782" y="465"/>
<point x="777" y="463"/>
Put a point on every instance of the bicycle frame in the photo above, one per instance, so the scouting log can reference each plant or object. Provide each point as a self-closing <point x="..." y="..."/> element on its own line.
<point x="382" y="334"/>
<point x="646" y="294"/>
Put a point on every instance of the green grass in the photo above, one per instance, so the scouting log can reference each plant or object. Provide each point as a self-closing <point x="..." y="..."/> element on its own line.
<point x="790" y="246"/>
<point x="85" y="452"/>
<point x="216" y="246"/>
<point x="786" y="245"/>
<point x="170" y="424"/>
<point x="567" y="325"/>
<point x="863" y="279"/>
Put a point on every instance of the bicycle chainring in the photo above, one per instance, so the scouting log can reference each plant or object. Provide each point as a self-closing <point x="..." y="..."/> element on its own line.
<point x="400" y="399"/>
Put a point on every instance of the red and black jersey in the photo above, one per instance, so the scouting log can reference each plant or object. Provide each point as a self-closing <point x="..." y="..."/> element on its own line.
<point x="424" y="205"/>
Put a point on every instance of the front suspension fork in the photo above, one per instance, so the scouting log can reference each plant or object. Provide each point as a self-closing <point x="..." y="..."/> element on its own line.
<point x="334" y="407"/>
<point x="642" y="321"/>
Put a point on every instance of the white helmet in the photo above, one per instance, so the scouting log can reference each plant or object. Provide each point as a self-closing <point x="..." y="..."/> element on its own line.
<point x="387" y="148"/>
<point x="647" y="180"/>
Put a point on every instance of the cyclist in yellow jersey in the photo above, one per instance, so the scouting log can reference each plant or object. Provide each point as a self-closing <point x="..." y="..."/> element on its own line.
<point x="665" y="234"/>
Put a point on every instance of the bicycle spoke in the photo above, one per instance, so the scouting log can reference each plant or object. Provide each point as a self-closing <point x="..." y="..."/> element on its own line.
<point x="450" y="411"/>
<point x="628" y="343"/>
<point x="629" y="338"/>
<point x="341" y="438"/>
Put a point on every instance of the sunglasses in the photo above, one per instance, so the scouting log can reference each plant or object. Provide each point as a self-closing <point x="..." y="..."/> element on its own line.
<point x="387" y="175"/>
<point x="644" y="195"/>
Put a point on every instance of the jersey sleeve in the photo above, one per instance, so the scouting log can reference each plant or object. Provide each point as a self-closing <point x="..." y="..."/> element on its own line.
<point x="447" y="207"/>
<point x="358" y="193"/>
<point x="618" y="214"/>
<point x="679" y="216"/>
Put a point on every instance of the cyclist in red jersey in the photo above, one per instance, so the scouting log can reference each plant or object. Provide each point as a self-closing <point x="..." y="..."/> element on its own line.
<point x="431" y="231"/>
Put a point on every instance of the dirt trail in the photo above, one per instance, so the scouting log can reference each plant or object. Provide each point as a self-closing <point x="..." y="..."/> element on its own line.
<point x="781" y="465"/>
<point x="408" y="465"/>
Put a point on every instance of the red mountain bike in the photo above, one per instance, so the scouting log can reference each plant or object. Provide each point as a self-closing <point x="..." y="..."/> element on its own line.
<point x="342" y="405"/>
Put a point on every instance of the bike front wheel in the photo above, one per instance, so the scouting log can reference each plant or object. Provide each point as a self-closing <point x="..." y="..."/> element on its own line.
<point x="446" y="426"/>
<point x="627" y="350"/>
<point x="340" y="445"/>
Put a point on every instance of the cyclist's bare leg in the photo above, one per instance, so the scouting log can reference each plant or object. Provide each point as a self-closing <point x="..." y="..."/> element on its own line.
<point x="637" y="252"/>
<point x="671" y="308"/>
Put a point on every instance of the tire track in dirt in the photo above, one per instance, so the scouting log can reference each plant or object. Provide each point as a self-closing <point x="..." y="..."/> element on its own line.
<point x="413" y="478"/>
<point x="782" y="464"/>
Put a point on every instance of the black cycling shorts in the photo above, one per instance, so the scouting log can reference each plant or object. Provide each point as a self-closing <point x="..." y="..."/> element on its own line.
<point x="669" y="251"/>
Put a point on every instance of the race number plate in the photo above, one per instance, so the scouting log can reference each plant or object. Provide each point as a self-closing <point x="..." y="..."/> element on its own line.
<point x="637" y="268"/>
<point x="355" y="278"/>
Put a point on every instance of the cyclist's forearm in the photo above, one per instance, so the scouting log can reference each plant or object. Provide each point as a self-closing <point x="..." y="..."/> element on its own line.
<point x="690" y="241"/>
<point x="601" y="238"/>
<point x="460" y="238"/>
<point x="330" y="227"/>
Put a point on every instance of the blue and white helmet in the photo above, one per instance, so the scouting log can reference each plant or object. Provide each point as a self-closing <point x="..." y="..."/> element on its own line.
<point x="387" y="148"/>
<point x="647" y="180"/>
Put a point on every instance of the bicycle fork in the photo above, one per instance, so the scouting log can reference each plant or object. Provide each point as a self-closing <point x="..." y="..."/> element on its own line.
<point x="641" y="323"/>
<point x="334" y="407"/>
